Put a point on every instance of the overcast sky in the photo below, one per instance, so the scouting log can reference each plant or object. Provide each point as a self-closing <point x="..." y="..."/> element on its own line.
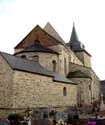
<point x="19" y="17"/>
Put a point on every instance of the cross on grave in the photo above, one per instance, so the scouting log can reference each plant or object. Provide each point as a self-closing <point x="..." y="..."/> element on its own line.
<point x="27" y="111"/>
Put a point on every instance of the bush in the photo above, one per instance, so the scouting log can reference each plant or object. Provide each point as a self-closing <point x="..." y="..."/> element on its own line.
<point x="15" y="117"/>
<point x="69" y="118"/>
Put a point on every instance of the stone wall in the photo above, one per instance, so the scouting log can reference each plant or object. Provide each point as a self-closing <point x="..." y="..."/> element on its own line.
<point x="6" y="83"/>
<point x="35" y="90"/>
<point x="85" y="58"/>
<point x="96" y="87"/>
<point x="95" y="82"/>
<point x="45" y="59"/>
<point x="102" y="87"/>
<point x="84" y="94"/>
<point x="63" y="59"/>
<point x="66" y="56"/>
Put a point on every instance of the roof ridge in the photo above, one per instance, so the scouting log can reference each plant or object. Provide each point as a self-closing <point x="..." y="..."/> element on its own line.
<point x="37" y="26"/>
<point x="51" y="31"/>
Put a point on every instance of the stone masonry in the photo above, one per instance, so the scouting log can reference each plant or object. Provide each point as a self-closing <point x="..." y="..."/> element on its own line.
<point x="32" y="87"/>
<point x="34" y="90"/>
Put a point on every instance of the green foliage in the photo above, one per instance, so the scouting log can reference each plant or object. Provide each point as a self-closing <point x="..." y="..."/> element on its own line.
<point x="15" y="117"/>
<point x="70" y="117"/>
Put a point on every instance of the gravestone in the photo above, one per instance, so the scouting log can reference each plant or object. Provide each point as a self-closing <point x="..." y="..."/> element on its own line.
<point x="102" y="105"/>
<point x="4" y="122"/>
<point x="40" y="122"/>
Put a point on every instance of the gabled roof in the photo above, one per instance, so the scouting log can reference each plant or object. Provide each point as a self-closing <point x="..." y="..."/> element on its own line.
<point x="41" y="35"/>
<point x="37" y="33"/>
<point x="25" y="65"/>
<point x="78" y="74"/>
<point x="50" y="30"/>
<point x="37" y="47"/>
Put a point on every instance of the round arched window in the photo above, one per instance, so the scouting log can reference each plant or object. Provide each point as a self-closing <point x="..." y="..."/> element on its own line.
<point x="64" y="91"/>
<point x="54" y="64"/>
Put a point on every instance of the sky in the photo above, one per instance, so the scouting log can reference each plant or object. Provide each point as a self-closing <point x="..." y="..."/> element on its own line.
<point x="19" y="17"/>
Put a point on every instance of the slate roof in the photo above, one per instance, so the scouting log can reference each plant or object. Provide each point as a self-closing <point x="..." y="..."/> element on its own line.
<point x="75" y="44"/>
<point x="87" y="70"/>
<point x="78" y="74"/>
<point x="37" y="47"/>
<point x="60" y="78"/>
<point x="74" y="37"/>
<point x="102" y="82"/>
<point x="25" y="65"/>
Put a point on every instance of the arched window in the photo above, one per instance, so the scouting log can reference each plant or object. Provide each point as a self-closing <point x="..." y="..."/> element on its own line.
<point x="23" y="56"/>
<point x="54" y="65"/>
<point x="35" y="58"/>
<point x="90" y="87"/>
<point x="64" y="91"/>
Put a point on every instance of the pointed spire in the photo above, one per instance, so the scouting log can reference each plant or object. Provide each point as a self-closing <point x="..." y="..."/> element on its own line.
<point x="74" y="42"/>
<point x="74" y="36"/>
<point x="73" y="24"/>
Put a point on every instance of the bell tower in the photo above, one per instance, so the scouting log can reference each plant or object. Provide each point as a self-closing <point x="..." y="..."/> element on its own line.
<point x="79" y="49"/>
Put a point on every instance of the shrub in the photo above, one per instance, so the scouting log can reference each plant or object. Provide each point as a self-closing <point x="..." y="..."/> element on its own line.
<point x="15" y="117"/>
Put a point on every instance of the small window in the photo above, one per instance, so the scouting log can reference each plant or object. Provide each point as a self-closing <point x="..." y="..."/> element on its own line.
<point x="64" y="91"/>
<point x="54" y="65"/>
<point x="90" y="87"/>
<point x="23" y="56"/>
<point x="35" y="58"/>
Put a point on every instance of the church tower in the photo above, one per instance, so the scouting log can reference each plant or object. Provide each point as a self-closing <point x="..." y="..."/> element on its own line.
<point x="79" y="49"/>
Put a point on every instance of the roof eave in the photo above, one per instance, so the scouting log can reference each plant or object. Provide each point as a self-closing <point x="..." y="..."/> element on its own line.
<point x="79" y="77"/>
<point x="35" y="51"/>
<point x="82" y="50"/>
<point x="65" y="82"/>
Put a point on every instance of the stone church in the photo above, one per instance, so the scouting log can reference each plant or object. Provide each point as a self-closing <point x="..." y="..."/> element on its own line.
<point x="46" y="71"/>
